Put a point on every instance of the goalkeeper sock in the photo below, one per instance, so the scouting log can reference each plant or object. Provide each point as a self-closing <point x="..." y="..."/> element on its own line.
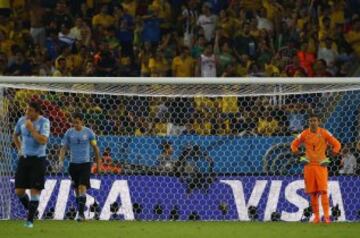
<point x="24" y="201"/>
<point x="325" y="204"/>
<point x="33" y="206"/>
<point x="315" y="204"/>
<point x="82" y="202"/>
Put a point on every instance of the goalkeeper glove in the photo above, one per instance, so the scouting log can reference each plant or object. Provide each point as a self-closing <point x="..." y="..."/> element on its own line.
<point x="325" y="162"/>
<point x="303" y="160"/>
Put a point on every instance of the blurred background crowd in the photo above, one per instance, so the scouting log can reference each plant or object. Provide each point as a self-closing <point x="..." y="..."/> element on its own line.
<point x="166" y="116"/>
<point x="182" y="38"/>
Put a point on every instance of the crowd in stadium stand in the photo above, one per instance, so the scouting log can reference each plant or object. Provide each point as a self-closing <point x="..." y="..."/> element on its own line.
<point x="135" y="115"/>
<point x="182" y="38"/>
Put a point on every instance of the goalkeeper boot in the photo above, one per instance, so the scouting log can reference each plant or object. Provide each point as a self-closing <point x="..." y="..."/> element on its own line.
<point x="316" y="220"/>
<point x="327" y="220"/>
<point x="28" y="224"/>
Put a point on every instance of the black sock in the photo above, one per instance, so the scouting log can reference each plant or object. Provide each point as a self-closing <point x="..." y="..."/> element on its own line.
<point x="82" y="202"/>
<point x="25" y="201"/>
<point x="33" y="206"/>
<point x="77" y="201"/>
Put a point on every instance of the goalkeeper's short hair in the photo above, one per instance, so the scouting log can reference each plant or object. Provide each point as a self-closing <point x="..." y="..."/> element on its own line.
<point x="314" y="114"/>
<point x="78" y="115"/>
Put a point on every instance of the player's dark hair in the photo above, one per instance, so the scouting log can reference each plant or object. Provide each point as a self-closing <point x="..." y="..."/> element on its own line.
<point x="35" y="105"/>
<point x="313" y="114"/>
<point x="78" y="115"/>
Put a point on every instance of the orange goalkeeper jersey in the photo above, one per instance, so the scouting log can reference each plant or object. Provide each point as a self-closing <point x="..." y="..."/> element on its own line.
<point x="316" y="144"/>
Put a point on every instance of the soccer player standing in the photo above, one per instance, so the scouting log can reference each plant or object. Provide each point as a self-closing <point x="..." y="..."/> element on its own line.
<point x="31" y="136"/>
<point x="78" y="140"/>
<point x="316" y="140"/>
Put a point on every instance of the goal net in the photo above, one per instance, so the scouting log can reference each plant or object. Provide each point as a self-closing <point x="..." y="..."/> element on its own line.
<point x="207" y="151"/>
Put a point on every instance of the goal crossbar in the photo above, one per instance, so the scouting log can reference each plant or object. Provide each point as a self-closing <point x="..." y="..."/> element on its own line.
<point x="182" y="81"/>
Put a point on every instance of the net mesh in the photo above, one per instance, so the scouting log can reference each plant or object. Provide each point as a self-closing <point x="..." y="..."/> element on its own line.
<point x="189" y="90"/>
<point x="188" y="152"/>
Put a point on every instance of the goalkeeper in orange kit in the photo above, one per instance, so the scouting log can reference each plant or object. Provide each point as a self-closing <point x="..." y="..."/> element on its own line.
<point x="316" y="140"/>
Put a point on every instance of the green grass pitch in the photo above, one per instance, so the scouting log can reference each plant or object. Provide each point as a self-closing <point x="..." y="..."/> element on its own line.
<point x="121" y="229"/>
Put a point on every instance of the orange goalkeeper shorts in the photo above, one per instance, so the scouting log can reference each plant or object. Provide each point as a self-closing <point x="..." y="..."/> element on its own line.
<point x="315" y="178"/>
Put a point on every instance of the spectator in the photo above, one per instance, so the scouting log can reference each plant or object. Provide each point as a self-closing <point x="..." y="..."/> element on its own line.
<point x="125" y="37"/>
<point x="198" y="47"/>
<point x="207" y="22"/>
<point x="307" y="59"/>
<point x="46" y="67"/>
<point x="267" y="125"/>
<point x="53" y="166"/>
<point x="244" y="43"/>
<point x="20" y="66"/>
<point x="357" y="156"/>
<point x="183" y="65"/>
<point x="188" y="21"/>
<point x="262" y="21"/>
<point x="226" y="23"/>
<point x="348" y="162"/>
<point x="166" y="162"/>
<point x="103" y="18"/>
<point x="265" y="53"/>
<point x="5" y="44"/>
<point x="75" y="31"/>
<point x="169" y="45"/>
<point x="20" y="35"/>
<point x="296" y="118"/>
<point x="108" y="166"/>
<point x="144" y="57"/>
<point x="223" y="53"/>
<point x="89" y="69"/>
<point x="254" y="71"/>
<point x="353" y="36"/>
<point x="164" y="13"/>
<point x="326" y="31"/>
<point x="343" y="47"/>
<point x="229" y="71"/>
<point x="207" y="63"/>
<point x="217" y="6"/>
<point x="66" y="37"/>
<point x="3" y="64"/>
<point x="61" y="70"/>
<point x="321" y="69"/>
<point x="130" y="6"/>
<point x="105" y="62"/>
<point x="86" y="12"/>
<point x="294" y="67"/>
<point x="151" y="27"/>
<point x="158" y="65"/>
<point x="121" y="15"/>
<point x="37" y="22"/>
<point x="189" y="172"/>
<point x="5" y="8"/>
<point x="62" y="16"/>
<point x="328" y="52"/>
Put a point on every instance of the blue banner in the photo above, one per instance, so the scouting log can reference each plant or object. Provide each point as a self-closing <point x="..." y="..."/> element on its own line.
<point x="206" y="198"/>
<point x="231" y="154"/>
